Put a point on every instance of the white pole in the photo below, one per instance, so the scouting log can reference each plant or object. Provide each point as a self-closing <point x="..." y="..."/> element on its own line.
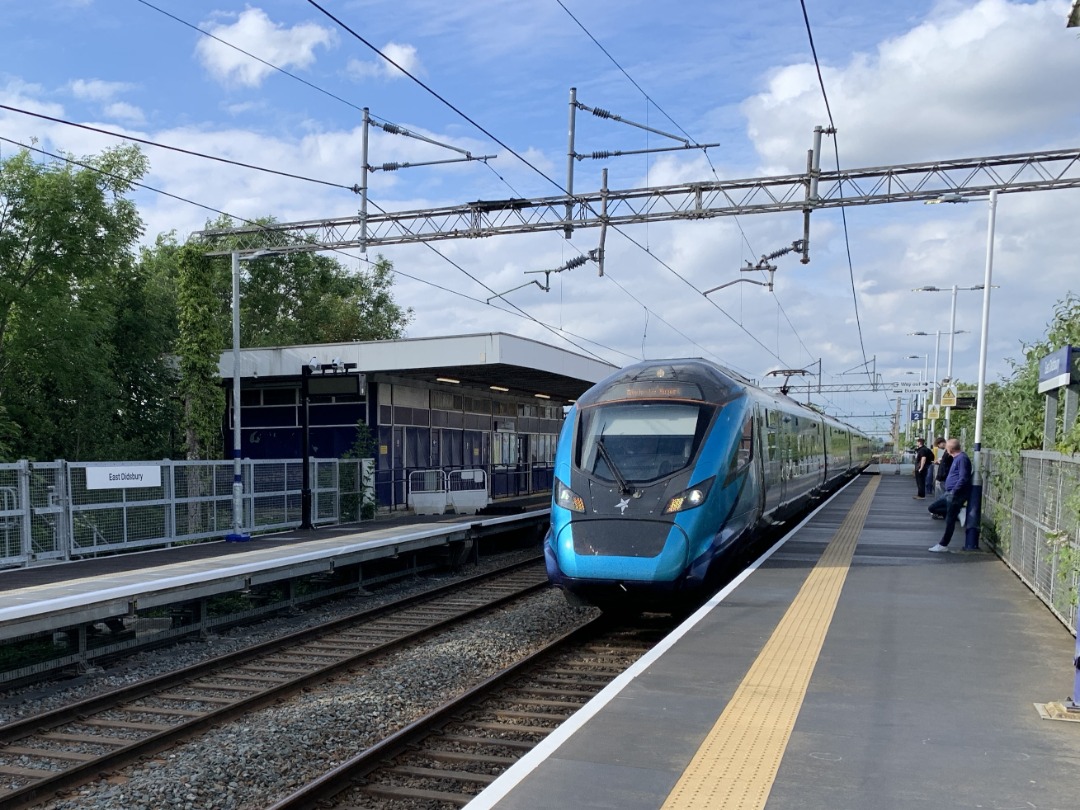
<point x="948" y="372"/>
<point x="237" y="533"/>
<point x="975" y="507"/>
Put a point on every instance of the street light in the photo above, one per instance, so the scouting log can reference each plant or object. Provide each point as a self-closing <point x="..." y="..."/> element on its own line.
<point x="974" y="511"/>
<point x="237" y="534"/>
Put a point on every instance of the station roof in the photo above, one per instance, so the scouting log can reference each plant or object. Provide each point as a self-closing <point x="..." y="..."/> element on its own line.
<point x="481" y="361"/>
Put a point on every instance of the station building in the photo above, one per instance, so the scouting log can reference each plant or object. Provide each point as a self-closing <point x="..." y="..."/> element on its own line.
<point x="485" y="401"/>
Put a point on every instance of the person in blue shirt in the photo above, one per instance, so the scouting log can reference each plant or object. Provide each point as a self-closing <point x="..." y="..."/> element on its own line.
<point x="957" y="491"/>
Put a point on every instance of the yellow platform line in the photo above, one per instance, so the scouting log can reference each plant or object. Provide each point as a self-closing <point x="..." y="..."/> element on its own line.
<point x="736" y="765"/>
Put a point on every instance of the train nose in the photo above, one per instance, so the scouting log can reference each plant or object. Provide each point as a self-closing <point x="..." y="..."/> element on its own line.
<point x="621" y="549"/>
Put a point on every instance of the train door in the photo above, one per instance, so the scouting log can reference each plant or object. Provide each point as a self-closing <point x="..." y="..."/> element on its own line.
<point x="397" y="465"/>
<point x="524" y="468"/>
<point x="773" y="461"/>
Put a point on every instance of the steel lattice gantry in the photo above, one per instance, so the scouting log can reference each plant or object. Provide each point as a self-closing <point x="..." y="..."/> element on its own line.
<point x="814" y="190"/>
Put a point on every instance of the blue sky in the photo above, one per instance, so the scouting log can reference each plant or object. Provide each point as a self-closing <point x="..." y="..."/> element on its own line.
<point x="907" y="82"/>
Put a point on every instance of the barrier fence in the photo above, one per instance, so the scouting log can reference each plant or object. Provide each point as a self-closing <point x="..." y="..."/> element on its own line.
<point x="61" y="510"/>
<point x="1035" y="513"/>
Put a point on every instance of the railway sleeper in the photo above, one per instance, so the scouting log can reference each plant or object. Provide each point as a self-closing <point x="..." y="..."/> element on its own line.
<point x="498" y="742"/>
<point x="444" y="755"/>
<point x="436" y="773"/>
<point x="401" y="792"/>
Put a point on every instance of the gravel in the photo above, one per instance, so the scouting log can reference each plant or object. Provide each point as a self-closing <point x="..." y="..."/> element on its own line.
<point x="264" y="756"/>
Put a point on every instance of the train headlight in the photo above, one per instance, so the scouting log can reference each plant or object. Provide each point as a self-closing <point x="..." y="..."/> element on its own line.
<point x="567" y="498"/>
<point x="689" y="498"/>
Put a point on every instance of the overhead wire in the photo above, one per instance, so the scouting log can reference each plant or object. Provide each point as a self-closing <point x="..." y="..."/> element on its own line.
<point x="836" y="150"/>
<point x="489" y="134"/>
<point x="354" y="188"/>
<point x="704" y="150"/>
<point x="520" y="313"/>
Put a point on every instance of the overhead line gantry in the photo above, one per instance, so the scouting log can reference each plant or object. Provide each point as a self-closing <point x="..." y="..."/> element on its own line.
<point x="813" y="190"/>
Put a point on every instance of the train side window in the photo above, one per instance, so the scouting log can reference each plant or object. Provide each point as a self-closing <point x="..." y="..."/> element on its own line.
<point x="744" y="450"/>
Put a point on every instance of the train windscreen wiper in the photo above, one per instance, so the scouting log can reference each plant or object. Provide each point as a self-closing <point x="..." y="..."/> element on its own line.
<point x="620" y="479"/>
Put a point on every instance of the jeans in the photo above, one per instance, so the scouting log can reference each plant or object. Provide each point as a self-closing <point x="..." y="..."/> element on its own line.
<point x="956" y="502"/>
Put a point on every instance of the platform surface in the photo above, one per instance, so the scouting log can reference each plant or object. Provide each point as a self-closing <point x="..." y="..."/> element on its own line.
<point x="919" y="690"/>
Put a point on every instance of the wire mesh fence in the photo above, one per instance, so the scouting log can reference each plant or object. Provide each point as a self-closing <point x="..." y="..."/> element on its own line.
<point x="64" y="510"/>
<point x="1035" y="511"/>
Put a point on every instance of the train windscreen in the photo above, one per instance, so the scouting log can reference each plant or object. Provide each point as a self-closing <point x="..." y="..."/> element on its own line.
<point x="643" y="441"/>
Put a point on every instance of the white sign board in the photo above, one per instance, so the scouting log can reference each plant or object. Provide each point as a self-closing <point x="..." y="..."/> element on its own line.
<point x="125" y="477"/>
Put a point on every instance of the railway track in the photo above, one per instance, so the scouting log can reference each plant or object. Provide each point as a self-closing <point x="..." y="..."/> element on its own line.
<point x="50" y="752"/>
<point x="446" y="758"/>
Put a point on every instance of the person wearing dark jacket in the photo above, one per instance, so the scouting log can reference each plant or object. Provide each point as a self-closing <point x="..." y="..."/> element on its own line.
<point x="924" y="460"/>
<point x="944" y="461"/>
<point x="957" y="490"/>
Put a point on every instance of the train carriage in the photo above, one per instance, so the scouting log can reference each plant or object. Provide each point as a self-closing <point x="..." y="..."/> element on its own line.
<point x="666" y="469"/>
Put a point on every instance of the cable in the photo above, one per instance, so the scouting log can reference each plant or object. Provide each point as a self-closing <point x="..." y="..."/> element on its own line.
<point x="704" y="151"/>
<point x="175" y="148"/>
<point x="836" y="149"/>
<point x="505" y="146"/>
<point x="250" y="55"/>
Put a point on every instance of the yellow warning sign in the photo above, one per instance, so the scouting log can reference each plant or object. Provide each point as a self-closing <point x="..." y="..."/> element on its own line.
<point x="948" y="396"/>
<point x="933" y="412"/>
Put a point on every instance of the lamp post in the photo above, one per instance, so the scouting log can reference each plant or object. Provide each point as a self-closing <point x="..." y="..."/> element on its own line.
<point x="974" y="516"/>
<point x="237" y="534"/>
<point x="952" y="334"/>
<point x="925" y="386"/>
<point x="974" y="510"/>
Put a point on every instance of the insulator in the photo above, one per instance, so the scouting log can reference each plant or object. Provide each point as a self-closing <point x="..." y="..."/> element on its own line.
<point x="600" y="113"/>
<point x="393" y="129"/>
<point x="601" y="155"/>
<point x="577" y="261"/>
<point x="391" y="167"/>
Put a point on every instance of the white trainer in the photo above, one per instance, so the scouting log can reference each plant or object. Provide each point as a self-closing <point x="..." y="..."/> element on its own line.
<point x="938" y="548"/>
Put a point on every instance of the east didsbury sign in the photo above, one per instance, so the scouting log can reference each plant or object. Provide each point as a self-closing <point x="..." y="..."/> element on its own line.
<point x="1059" y="369"/>
<point x="127" y="476"/>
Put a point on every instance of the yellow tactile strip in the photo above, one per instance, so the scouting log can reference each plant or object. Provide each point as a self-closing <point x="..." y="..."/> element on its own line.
<point x="737" y="764"/>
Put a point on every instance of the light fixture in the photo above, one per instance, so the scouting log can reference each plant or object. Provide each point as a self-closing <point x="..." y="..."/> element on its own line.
<point x="448" y="380"/>
<point x="541" y="396"/>
<point x="499" y="388"/>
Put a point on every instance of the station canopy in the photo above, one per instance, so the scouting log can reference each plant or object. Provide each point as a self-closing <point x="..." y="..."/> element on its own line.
<point x="490" y="361"/>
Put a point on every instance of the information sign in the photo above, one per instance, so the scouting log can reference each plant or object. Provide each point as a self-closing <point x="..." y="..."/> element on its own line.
<point x="128" y="476"/>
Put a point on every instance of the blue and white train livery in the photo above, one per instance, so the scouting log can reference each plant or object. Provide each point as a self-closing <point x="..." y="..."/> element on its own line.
<point x="667" y="468"/>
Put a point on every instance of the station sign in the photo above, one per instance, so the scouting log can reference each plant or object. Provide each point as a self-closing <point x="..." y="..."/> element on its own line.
<point x="1059" y="369"/>
<point x="127" y="476"/>
<point x="916" y="416"/>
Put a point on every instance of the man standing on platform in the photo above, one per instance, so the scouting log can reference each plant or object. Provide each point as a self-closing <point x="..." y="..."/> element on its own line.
<point x="957" y="491"/>
<point x="924" y="461"/>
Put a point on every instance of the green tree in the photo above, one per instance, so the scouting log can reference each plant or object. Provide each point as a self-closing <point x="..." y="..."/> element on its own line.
<point x="67" y="236"/>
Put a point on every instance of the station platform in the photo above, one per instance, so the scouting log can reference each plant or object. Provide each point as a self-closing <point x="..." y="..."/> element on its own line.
<point x="43" y="598"/>
<point x="849" y="668"/>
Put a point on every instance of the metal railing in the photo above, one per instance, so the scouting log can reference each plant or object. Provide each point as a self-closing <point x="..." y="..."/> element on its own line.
<point x="59" y="510"/>
<point x="1035" y="528"/>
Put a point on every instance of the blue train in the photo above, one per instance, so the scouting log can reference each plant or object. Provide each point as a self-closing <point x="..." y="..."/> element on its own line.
<point x="665" y="470"/>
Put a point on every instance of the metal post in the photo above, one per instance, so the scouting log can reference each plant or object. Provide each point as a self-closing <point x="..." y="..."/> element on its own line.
<point x="568" y="229"/>
<point x="364" y="179"/>
<point x="305" y="485"/>
<point x="237" y="533"/>
<point x="974" y="514"/>
<point x="948" y="372"/>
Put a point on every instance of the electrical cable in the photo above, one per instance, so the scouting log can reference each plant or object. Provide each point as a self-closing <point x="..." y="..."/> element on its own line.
<point x="678" y="126"/>
<point x="504" y="145"/>
<point x="146" y="142"/>
<point x="836" y="150"/>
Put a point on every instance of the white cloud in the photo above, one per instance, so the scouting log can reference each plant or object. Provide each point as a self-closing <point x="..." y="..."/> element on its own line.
<point x="991" y="73"/>
<point x="98" y="90"/>
<point x="128" y="113"/>
<point x="404" y="57"/>
<point x="257" y="34"/>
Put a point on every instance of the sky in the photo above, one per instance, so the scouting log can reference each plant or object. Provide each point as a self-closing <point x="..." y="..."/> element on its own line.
<point x="905" y="82"/>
